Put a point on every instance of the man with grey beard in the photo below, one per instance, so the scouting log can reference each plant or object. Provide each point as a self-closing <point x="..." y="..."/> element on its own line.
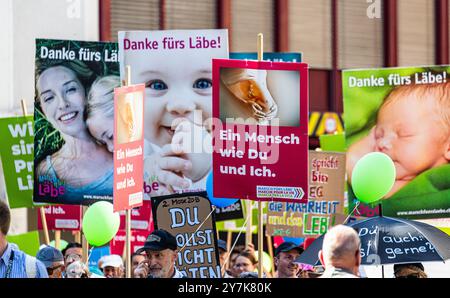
<point x="161" y="253"/>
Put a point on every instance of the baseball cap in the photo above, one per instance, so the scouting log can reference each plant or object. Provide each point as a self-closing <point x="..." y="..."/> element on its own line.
<point x="222" y="244"/>
<point x="112" y="261"/>
<point x="287" y="246"/>
<point x="159" y="240"/>
<point x="48" y="255"/>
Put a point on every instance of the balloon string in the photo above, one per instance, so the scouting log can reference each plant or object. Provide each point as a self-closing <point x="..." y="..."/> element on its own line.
<point x="237" y="238"/>
<point x="351" y="213"/>
<point x="213" y="210"/>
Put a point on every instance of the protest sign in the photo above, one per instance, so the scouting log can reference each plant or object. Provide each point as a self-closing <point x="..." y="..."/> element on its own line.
<point x="274" y="57"/>
<point x="260" y="130"/>
<point x="175" y="66"/>
<point x="27" y="242"/>
<point x="16" y="153"/>
<point x="234" y="211"/>
<point x="385" y="111"/>
<point x="189" y="218"/>
<point x="61" y="217"/>
<point x="73" y="121"/>
<point x="137" y="240"/>
<point x="129" y="146"/>
<point x="324" y="208"/>
<point x="141" y="218"/>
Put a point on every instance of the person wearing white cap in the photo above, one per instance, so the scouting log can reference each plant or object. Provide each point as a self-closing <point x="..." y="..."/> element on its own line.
<point x="112" y="266"/>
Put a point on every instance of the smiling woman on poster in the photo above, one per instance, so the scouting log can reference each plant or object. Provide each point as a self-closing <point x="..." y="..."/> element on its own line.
<point x="79" y="166"/>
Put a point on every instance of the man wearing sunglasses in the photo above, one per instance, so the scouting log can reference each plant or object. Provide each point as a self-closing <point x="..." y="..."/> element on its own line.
<point x="53" y="260"/>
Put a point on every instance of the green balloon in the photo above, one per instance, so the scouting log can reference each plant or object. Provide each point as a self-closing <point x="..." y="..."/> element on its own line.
<point x="373" y="177"/>
<point x="100" y="223"/>
<point x="62" y="244"/>
<point x="267" y="261"/>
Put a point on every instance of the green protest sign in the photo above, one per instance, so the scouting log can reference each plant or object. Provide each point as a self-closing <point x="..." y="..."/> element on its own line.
<point x="16" y="152"/>
<point x="27" y="242"/>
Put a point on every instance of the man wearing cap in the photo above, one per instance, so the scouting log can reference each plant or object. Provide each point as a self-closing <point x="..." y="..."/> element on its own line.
<point x="53" y="260"/>
<point x="223" y="256"/>
<point x="161" y="253"/>
<point x="112" y="266"/>
<point x="285" y="254"/>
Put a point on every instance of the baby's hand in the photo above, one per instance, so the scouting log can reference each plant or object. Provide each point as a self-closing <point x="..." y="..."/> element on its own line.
<point x="195" y="144"/>
<point x="167" y="166"/>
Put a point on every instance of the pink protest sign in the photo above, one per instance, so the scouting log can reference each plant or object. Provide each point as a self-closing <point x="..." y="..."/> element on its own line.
<point x="141" y="218"/>
<point x="260" y="130"/>
<point x="137" y="241"/>
<point x="128" y="146"/>
<point x="61" y="217"/>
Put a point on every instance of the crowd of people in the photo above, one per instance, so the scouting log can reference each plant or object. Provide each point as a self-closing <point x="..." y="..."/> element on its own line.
<point x="340" y="258"/>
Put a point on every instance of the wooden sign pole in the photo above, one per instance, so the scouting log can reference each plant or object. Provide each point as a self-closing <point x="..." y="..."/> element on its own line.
<point x="41" y="209"/>
<point x="260" y="207"/>
<point x="77" y="237"/>
<point x="57" y="239"/>
<point x="128" y="211"/>
<point x="248" y="233"/>
<point x="84" y="243"/>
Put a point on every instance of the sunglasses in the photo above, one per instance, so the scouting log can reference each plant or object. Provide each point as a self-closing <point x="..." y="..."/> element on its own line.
<point x="52" y="269"/>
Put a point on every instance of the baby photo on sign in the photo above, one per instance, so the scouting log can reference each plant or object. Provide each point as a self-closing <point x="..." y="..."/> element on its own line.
<point x="74" y="113"/>
<point x="404" y="113"/>
<point x="258" y="96"/>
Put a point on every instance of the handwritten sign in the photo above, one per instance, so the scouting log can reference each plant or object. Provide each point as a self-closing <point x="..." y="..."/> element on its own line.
<point x="325" y="207"/>
<point x="189" y="218"/>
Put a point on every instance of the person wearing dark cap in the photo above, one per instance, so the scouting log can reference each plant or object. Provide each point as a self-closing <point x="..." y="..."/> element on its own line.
<point x="285" y="255"/>
<point x="409" y="270"/>
<point x="223" y="256"/>
<point x="161" y="252"/>
<point x="53" y="260"/>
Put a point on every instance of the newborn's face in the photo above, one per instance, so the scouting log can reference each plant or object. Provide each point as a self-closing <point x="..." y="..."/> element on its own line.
<point x="409" y="130"/>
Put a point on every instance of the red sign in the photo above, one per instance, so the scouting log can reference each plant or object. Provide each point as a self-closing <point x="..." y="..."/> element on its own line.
<point x="128" y="146"/>
<point x="260" y="130"/>
<point x="61" y="217"/>
<point x="137" y="241"/>
<point x="141" y="218"/>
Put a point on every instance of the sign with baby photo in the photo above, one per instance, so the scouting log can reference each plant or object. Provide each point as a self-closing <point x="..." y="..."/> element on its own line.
<point x="325" y="207"/>
<point x="129" y="146"/>
<point x="260" y="130"/>
<point x="16" y="154"/>
<point x="175" y="66"/>
<point x="189" y="217"/>
<point x="74" y="120"/>
<point x="404" y="113"/>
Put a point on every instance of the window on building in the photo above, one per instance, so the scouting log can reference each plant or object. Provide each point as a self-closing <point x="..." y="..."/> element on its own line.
<point x="248" y="18"/>
<point x="360" y="38"/>
<point x="416" y="35"/>
<point x="134" y="15"/>
<point x="310" y="31"/>
<point x="182" y="14"/>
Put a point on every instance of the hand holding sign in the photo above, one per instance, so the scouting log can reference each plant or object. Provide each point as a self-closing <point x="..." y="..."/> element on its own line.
<point x="373" y="177"/>
<point x="100" y="223"/>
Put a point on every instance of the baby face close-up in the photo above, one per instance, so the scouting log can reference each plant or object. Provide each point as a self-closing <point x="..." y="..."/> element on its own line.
<point x="174" y="89"/>
<point x="411" y="132"/>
